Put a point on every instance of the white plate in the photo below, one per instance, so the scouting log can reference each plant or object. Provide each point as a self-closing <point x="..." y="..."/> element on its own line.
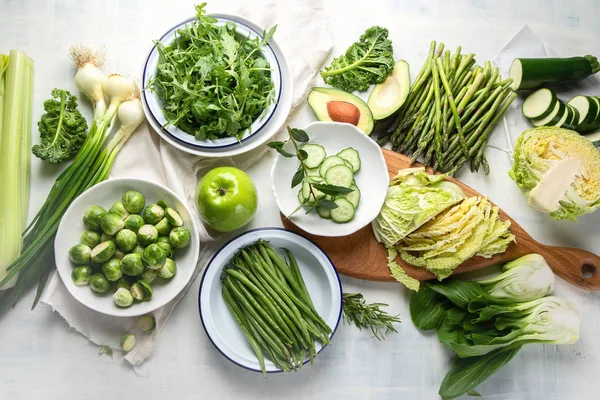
<point x="320" y="276"/>
<point x="261" y="130"/>
<point x="105" y="194"/>
<point x="372" y="179"/>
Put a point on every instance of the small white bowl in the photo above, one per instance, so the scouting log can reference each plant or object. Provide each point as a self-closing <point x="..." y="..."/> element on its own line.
<point x="261" y="130"/>
<point x="321" y="278"/>
<point x="105" y="194"/>
<point x="372" y="179"/>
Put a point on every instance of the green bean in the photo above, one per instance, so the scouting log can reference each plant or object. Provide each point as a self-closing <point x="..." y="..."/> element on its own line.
<point x="298" y="275"/>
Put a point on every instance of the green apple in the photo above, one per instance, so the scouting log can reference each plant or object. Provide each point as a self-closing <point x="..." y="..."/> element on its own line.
<point x="226" y="199"/>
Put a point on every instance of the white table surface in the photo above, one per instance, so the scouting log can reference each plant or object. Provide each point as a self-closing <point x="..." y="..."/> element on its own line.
<point x="41" y="358"/>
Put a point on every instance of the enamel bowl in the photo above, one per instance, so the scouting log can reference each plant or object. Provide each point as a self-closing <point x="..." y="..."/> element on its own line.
<point x="372" y="179"/>
<point x="105" y="194"/>
<point x="261" y="130"/>
<point x="318" y="272"/>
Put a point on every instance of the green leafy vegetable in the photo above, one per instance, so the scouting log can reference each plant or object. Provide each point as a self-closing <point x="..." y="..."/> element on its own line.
<point x="62" y="128"/>
<point x="213" y="81"/>
<point x="559" y="172"/>
<point x="356" y="311"/>
<point x="366" y="62"/>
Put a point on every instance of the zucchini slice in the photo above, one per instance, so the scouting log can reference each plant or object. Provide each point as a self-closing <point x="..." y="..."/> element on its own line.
<point x="328" y="163"/>
<point x="559" y="110"/>
<point x="571" y="121"/>
<point x="588" y="112"/>
<point x="316" y="155"/>
<point x="339" y="175"/>
<point x="539" y="104"/>
<point x="351" y="155"/>
<point x="344" y="212"/>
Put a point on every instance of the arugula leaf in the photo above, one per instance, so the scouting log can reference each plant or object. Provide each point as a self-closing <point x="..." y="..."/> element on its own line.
<point x="213" y="82"/>
<point x="366" y="62"/>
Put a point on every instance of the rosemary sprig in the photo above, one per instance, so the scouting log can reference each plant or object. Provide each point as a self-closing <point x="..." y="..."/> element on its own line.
<point x="356" y="311"/>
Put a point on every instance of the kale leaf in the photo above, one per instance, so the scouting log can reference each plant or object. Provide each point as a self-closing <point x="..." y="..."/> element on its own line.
<point x="366" y="62"/>
<point x="62" y="128"/>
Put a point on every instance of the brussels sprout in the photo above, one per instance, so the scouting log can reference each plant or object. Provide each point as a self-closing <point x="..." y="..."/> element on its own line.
<point x="166" y="246"/>
<point x="119" y="209"/>
<point x="123" y="297"/>
<point x="153" y="213"/>
<point x="147" y="289"/>
<point x="134" y="222"/>
<point x="163" y="227"/>
<point x="137" y="291"/>
<point x="80" y="254"/>
<point x="138" y="249"/>
<point x="90" y="239"/>
<point x="103" y="252"/>
<point x="147" y="234"/>
<point x="180" y="236"/>
<point x="127" y="341"/>
<point x="173" y="217"/>
<point x="132" y="264"/>
<point x="105" y="237"/>
<point x="154" y="256"/>
<point x="126" y="239"/>
<point x="112" y="270"/>
<point x="168" y="269"/>
<point x="123" y="282"/>
<point x="93" y="217"/>
<point x="163" y="204"/>
<point x="119" y="254"/>
<point x="149" y="275"/>
<point x="147" y="323"/>
<point x="133" y="201"/>
<point x="99" y="283"/>
<point x="81" y="275"/>
<point x="111" y="223"/>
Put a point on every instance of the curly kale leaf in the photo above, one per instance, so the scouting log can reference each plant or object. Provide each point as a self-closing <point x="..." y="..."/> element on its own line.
<point x="366" y="62"/>
<point x="62" y="128"/>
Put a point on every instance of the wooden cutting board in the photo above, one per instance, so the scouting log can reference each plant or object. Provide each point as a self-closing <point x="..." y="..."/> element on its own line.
<point x="360" y="256"/>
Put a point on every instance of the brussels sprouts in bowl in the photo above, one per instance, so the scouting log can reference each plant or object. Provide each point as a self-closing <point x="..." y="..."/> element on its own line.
<point x="99" y="253"/>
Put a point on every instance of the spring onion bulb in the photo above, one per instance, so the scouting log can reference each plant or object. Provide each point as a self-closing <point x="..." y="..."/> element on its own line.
<point x="89" y="77"/>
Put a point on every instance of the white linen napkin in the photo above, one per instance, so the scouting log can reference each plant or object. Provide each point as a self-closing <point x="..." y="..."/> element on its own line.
<point x="180" y="171"/>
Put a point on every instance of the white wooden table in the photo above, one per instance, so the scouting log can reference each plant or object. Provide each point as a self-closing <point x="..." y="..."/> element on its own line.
<point x="40" y="357"/>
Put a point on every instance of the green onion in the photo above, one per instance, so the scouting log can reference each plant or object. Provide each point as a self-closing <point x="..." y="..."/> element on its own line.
<point x="16" y="79"/>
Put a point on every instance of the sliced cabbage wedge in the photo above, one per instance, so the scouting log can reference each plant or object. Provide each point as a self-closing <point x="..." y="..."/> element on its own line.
<point x="559" y="172"/>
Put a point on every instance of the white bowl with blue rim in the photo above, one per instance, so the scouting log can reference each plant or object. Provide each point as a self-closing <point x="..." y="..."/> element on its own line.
<point x="319" y="274"/>
<point x="263" y="128"/>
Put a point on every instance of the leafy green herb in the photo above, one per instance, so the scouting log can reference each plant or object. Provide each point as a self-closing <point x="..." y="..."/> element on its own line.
<point x="213" y="81"/>
<point x="474" y="393"/>
<point x="356" y="311"/>
<point x="366" y="62"/>
<point x="298" y="137"/>
<point x="105" y="349"/>
<point x="62" y="128"/>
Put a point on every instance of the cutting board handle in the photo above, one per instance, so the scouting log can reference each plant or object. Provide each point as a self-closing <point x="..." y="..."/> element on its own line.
<point x="578" y="267"/>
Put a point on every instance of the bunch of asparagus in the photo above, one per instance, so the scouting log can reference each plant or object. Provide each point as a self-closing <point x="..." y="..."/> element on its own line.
<point x="450" y="112"/>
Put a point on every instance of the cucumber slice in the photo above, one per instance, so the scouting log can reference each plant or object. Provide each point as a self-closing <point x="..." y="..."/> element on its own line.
<point x="353" y="197"/>
<point x="339" y="175"/>
<point x="328" y="163"/>
<point x="324" y="212"/>
<point x="553" y="117"/>
<point x="316" y="155"/>
<point x="313" y="172"/>
<point x="351" y="155"/>
<point x="306" y="192"/>
<point x="539" y="104"/>
<point x="347" y="164"/>
<point x="344" y="212"/>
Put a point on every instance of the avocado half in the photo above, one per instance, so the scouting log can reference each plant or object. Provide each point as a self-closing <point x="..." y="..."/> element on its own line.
<point x="338" y="106"/>
<point x="388" y="96"/>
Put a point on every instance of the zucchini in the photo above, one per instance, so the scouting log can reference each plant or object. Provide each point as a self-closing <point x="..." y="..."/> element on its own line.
<point x="531" y="73"/>
<point x="567" y="116"/>
<point x="344" y="212"/>
<point x="339" y="175"/>
<point x="588" y="112"/>
<point x="316" y="155"/>
<point x="328" y="163"/>
<point x="539" y="104"/>
<point x="571" y="122"/>
<point x="351" y="155"/>
<point x="559" y="110"/>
